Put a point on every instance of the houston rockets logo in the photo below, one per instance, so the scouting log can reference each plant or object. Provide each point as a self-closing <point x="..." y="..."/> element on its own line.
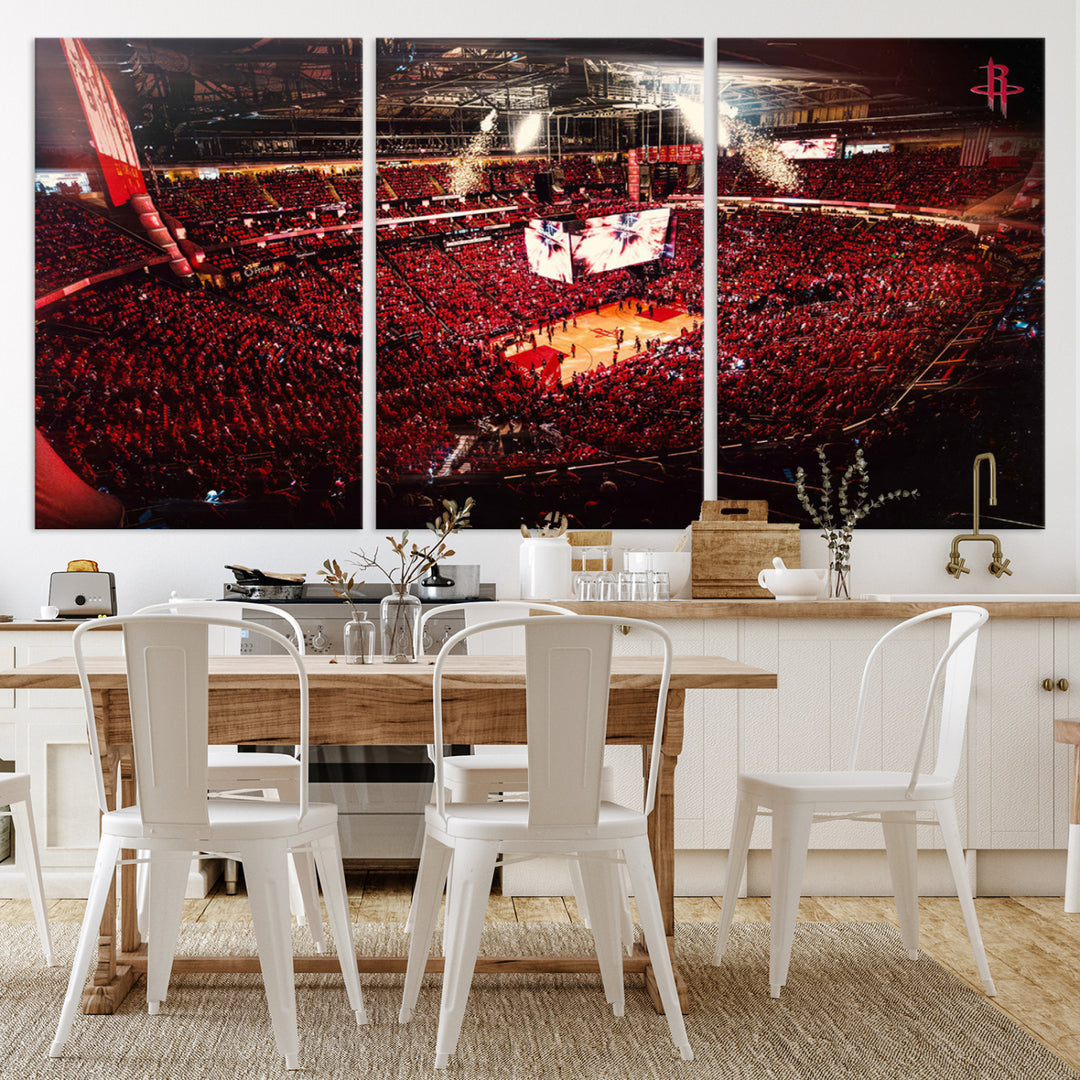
<point x="997" y="88"/>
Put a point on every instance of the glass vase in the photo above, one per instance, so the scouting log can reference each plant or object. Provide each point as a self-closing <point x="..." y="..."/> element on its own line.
<point x="360" y="641"/>
<point x="839" y="564"/>
<point x="399" y="618"/>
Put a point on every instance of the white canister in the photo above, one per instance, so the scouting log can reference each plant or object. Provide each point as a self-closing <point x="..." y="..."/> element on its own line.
<point x="545" y="568"/>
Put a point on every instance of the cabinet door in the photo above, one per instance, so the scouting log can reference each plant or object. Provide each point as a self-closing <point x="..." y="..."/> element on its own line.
<point x="7" y="707"/>
<point x="693" y="786"/>
<point x="56" y="754"/>
<point x="1013" y="740"/>
<point x="51" y="746"/>
<point x="1066" y="707"/>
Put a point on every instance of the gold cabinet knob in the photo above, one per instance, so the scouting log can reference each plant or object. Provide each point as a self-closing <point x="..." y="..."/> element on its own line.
<point x="1063" y="684"/>
<point x="1048" y="684"/>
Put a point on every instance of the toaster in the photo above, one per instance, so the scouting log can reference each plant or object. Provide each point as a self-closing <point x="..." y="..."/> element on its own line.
<point x="82" y="594"/>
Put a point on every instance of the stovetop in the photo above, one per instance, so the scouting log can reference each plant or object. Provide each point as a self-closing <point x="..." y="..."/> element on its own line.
<point x="319" y="593"/>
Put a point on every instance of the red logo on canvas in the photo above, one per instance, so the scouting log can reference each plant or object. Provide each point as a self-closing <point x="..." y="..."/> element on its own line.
<point x="997" y="88"/>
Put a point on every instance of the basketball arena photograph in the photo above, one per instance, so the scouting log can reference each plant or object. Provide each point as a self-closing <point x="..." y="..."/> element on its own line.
<point x="546" y="267"/>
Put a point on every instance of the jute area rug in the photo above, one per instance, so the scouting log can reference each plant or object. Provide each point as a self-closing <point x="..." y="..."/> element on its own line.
<point x="855" y="1006"/>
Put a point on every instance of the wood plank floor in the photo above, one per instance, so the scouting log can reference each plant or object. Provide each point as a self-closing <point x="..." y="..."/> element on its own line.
<point x="1033" y="947"/>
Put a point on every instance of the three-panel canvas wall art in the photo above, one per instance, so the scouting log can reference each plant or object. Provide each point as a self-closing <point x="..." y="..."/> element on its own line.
<point x="575" y="302"/>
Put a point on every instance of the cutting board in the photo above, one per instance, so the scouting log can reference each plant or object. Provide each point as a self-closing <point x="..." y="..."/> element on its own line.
<point x="732" y="543"/>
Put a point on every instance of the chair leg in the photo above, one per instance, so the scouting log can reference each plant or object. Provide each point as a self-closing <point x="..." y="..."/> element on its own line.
<point x="268" y="893"/>
<point x="643" y="878"/>
<point x="741" y="831"/>
<point x="104" y="869"/>
<point x="327" y="855"/>
<point x="231" y="876"/>
<point x="427" y="895"/>
<point x="304" y="901"/>
<point x="902" y="850"/>
<point x="142" y="893"/>
<point x="167" y="873"/>
<point x="577" y="886"/>
<point x="790" y="839"/>
<point x="946" y="815"/>
<point x="22" y="817"/>
<point x="410" y="919"/>
<point x="474" y="864"/>
<point x="600" y="885"/>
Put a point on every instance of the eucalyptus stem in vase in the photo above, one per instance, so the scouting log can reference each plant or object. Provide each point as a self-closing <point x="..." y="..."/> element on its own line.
<point x="358" y="633"/>
<point x="840" y="510"/>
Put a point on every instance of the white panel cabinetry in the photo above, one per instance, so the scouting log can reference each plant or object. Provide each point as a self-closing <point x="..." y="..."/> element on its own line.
<point x="49" y="742"/>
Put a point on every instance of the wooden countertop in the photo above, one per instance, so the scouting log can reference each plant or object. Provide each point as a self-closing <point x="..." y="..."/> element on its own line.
<point x="817" y="609"/>
<point x="40" y="624"/>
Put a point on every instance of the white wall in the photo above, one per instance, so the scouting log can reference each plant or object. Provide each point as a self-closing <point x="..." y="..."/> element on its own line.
<point x="148" y="564"/>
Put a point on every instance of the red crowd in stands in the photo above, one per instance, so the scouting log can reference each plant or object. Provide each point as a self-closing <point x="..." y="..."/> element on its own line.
<point x="256" y="388"/>
<point x="72" y="243"/>
<point x="923" y="178"/>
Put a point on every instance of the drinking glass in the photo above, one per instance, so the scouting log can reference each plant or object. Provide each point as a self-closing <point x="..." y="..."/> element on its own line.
<point x="659" y="587"/>
<point x="606" y="587"/>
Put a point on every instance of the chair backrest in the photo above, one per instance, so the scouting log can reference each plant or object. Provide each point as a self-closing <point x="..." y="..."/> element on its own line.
<point x="233" y="611"/>
<point x="567" y="677"/>
<point x="956" y="667"/>
<point x="510" y="642"/>
<point x="167" y="659"/>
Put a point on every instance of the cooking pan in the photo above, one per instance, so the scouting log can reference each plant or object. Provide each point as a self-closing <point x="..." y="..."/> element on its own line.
<point x="257" y="585"/>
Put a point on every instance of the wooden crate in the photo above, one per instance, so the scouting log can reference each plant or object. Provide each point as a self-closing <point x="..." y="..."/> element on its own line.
<point x="732" y="544"/>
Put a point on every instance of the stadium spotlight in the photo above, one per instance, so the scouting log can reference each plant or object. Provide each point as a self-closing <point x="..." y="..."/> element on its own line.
<point x="693" y="113"/>
<point x="528" y="132"/>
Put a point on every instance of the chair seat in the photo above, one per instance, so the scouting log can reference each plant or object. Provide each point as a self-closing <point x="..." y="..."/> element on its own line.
<point x="229" y="769"/>
<point x="510" y="766"/>
<point x="509" y="822"/>
<point x="235" y="819"/>
<point x="843" y="787"/>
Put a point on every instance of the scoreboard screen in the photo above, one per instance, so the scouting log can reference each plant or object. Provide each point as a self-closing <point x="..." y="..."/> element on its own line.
<point x="618" y="240"/>
<point x="547" y="248"/>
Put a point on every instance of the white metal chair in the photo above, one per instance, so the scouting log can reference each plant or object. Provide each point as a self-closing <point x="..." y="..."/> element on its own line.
<point x="896" y="799"/>
<point x="504" y="770"/>
<point x="15" y="794"/>
<point x="167" y="659"/>
<point x="568" y="671"/>
<point x="276" y="775"/>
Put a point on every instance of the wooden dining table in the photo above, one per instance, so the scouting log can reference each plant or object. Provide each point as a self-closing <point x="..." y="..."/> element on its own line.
<point x="253" y="699"/>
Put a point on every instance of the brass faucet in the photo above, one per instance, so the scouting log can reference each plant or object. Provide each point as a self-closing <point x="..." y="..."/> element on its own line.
<point x="999" y="564"/>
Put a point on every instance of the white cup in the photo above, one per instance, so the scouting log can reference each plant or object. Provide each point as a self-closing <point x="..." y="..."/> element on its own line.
<point x="49" y="611"/>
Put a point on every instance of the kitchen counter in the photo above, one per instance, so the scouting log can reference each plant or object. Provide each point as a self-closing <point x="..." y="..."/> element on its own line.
<point x="1026" y="607"/>
<point x="820" y="609"/>
<point x="41" y="624"/>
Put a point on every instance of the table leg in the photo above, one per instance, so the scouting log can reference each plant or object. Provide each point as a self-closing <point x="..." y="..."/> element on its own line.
<point x="1072" y="863"/>
<point x="662" y="841"/>
<point x="111" y="981"/>
<point x="129" y="903"/>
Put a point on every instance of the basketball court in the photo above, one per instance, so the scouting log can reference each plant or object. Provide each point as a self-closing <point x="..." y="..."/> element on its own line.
<point x="593" y="340"/>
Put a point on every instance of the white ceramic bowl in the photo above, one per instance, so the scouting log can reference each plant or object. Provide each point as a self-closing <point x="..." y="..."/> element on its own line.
<point x="793" y="584"/>
<point x="676" y="563"/>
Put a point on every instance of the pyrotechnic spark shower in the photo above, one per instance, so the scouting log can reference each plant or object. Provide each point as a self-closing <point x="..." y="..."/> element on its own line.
<point x="467" y="172"/>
